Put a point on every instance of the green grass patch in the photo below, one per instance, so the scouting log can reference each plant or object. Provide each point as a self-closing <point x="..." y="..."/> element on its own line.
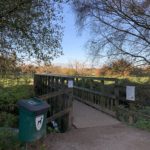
<point x="134" y="80"/>
<point x="13" y="89"/>
<point x="143" y="123"/>
<point x="15" y="81"/>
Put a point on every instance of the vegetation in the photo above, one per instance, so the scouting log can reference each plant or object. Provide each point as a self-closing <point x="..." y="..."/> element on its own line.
<point x="8" y="64"/>
<point x="140" y="117"/>
<point x="120" y="68"/>
<point x="9" y="140"/>
<point x="143" y="123"/>
<point x="8" y="120"/>
<point x="31" y="28"/>
<point x="13" y="89"/>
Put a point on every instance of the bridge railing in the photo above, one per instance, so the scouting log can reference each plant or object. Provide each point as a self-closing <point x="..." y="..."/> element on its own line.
<point x="54" y="89"/>
<point x="99" y="93"/>
<point x="96" y="92"/>
<point x="104" y="94"/>
<point x="132" y="111"/>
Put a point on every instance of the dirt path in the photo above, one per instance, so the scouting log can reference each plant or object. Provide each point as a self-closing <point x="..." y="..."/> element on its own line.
<point x="98" y="132"/>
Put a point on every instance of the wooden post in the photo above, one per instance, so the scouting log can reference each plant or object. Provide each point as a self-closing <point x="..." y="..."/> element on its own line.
<point x="130" y="119"/>
<point x="35" y="84"/>
<point x="70" y="117"/>
<point x="116" y="96"/>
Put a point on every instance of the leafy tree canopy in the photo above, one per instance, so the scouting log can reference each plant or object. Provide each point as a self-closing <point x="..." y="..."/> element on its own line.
<point x="120" y="27"/>
<point x="31" y="28"/>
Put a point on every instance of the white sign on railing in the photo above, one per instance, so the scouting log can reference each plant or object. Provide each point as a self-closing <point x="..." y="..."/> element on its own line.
<point x="130" y="93"/>
<point x="70" y="83"/>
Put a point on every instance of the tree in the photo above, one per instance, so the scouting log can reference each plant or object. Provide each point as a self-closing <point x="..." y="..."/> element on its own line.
<point x="118" y="67"/>
<point x="121" y="28"/>
<point x="8" y="64"/>
<point x="77" y="68"/>
<point x="31" y="28"/>
<point x="121" y="67"/>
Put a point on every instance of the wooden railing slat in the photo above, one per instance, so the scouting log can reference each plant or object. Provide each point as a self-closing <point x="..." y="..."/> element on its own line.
<point x="95" y="92"/>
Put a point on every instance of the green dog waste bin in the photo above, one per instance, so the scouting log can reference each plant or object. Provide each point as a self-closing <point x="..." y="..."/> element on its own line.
<point x="32" y="119"/>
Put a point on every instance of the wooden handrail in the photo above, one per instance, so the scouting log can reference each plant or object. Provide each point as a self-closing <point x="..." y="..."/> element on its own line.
<point x="54" y="94"/>
<point x="95" y="92"/>
<point x="58" y="115"/>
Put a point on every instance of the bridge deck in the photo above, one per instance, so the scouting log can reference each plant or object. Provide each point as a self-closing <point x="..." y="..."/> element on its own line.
<point x="86" y="116"/>
<point x="97" y="131"/>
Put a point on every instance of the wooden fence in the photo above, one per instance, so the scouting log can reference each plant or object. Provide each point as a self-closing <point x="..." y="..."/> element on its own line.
<point x="142" y="95"/>
<point x="132" y="111"/>
<point x="107" y="95"/>
<point x="54" y="89"/>
<point x="99" y="93"/>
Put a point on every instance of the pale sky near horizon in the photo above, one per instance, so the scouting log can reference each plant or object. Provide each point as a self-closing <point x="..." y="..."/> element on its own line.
<point x="73" y="42"/>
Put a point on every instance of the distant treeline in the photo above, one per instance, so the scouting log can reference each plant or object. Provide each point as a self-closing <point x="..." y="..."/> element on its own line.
<point x="119" y="67"/>
<point x="123" y="68"/>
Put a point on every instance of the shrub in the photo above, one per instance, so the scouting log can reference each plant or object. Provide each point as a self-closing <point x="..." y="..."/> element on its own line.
<point x="8" y="139"/>
<point x="8" y="120"/>
<point x="143" y="123"/>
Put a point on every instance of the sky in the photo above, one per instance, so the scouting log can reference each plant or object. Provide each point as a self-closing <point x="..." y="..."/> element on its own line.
<point x="73" y="42"/>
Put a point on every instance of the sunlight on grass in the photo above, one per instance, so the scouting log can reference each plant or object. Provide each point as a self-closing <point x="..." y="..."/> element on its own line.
<point x="9" y="82"/>
<point x="14" y="89"/>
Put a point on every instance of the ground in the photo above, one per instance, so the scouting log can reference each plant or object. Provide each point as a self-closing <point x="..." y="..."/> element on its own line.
<point x="97" y="131"/>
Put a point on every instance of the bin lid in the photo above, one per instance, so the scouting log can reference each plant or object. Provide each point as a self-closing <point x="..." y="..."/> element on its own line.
<point x="34" y="105"/>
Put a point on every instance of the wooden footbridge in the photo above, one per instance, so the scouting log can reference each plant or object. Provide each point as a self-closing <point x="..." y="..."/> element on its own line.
<point x="89" y="107"/>
<point x="63" y="92"/>
<point x="103" y="94"/>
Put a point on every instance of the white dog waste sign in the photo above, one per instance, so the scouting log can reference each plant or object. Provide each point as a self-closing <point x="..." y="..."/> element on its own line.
<point x="39" y="122"/>
<point x="130" y="93"/>
<point x="70" y="83"/>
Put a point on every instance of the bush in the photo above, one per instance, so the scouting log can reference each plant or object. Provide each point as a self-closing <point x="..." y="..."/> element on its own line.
<point x="8" y="139"/>
<point x="8" y="120"/>
<point x="143" y="123"/>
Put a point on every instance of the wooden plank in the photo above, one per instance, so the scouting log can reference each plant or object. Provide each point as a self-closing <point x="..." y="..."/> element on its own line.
<point x="95" y="92"/>
<point x="53" y="88"/>
<point x="56" y="75"/>
<point x="98" y="78"/>
<point x="54" y="94"/>
<point x="58" y="115"/>
<point x="82" y="77"/>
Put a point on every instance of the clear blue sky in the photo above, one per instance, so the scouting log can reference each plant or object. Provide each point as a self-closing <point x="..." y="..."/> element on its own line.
<point x="73" y="43"/>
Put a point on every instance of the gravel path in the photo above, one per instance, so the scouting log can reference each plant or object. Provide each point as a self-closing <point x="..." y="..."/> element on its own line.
<point x="97" y="131"/>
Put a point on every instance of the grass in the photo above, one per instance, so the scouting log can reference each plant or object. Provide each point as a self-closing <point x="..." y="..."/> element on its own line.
<point x="143" y="123"/>
<point x="14" y="89"/>
<point x="10" y="81"/>
<point x="134" y="80"/>
<point x="11" y="90"/>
